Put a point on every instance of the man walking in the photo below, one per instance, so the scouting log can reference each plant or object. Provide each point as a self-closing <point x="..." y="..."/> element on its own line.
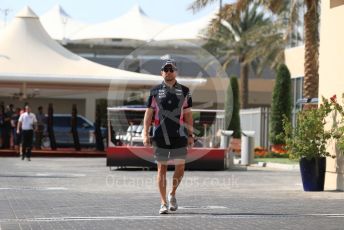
<point x="27" y="121"/>
<point x="173" y="130"/>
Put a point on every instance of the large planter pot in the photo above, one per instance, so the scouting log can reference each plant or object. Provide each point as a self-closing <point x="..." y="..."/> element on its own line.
<point x="313" y="173"/>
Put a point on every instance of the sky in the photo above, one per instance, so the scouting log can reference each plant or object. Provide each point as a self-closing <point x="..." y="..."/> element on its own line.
<point x="95" y="11"/>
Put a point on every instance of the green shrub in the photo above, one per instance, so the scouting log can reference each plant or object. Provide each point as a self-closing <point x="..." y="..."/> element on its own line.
<point x="232" y="112"/>
<point x="309" y="137"/>
<point x="281" y="104"/>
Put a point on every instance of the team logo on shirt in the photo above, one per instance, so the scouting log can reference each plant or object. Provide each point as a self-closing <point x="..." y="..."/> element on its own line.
<point x="179" y="92"/>
<point x="161" y="93"/>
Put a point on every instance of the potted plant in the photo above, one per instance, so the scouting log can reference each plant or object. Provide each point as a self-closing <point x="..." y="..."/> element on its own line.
<point x="307" y="142"/>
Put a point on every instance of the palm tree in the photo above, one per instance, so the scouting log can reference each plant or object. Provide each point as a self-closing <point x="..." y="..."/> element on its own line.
<point x="311" y="31"/>
<point x="248" y="37"/>
<point x="312" y="21"/>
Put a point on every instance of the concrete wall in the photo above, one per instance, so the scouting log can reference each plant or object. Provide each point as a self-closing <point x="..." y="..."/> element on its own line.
<point x="260" y="92"/>
<point x="295" y="59"/>
<point x="332" y="75"/>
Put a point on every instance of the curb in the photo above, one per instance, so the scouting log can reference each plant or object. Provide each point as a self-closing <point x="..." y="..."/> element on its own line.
<point x="260" y="164"/>
<point x="293" y="167"/>
<point x="55" y="153"/>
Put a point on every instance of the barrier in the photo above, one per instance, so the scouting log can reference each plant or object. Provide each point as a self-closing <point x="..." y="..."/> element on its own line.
<point x="247" y="147"/>
<point x="139" y="156"/>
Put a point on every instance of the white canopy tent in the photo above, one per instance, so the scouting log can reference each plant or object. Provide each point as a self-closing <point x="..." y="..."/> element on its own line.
<point x="134" y="24"/>
<point x="59" y="24"/>
<point x="186" y="31"/>
<point x="2" y="26"/>
<point x="28" y="54"/>
<point x="30" y="58"/>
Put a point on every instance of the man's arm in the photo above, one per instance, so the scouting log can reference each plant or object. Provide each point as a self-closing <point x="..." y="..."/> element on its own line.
<point x="35" y="122"/>
<point x="189" y="125"/>
<point x="147" y="121"/>
<point x="19" y="125"/>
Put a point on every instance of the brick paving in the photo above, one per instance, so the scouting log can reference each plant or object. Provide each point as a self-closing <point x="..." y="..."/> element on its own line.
<point x="81" y="193"/>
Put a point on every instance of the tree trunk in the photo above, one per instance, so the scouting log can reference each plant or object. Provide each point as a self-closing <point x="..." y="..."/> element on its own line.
<point x="311" y="78"/>
<point x="244" y="71"/>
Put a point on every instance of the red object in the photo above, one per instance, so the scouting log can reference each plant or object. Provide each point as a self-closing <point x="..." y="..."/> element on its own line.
<point x="334" y="98"/>
<point x="280" y="149"/>
<point x="197" y="158"/>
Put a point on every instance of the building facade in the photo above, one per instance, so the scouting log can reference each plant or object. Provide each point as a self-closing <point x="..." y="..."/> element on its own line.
<point x="331" y="76"/>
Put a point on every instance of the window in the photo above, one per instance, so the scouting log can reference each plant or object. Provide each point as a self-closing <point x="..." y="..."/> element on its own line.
<point x="296" y="94"/>
<point x="62" y="121"/>
<point x="82" y="122"/>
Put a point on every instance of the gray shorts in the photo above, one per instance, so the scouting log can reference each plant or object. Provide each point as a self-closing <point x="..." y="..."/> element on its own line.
<point x="176" y="150"/>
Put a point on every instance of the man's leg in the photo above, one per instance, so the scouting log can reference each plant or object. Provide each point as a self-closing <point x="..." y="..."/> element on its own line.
<point x="20" y="142"/>
<point x="177" y="178"/>
<point x="161" y="178"/>
<point x="29" y="147"/>
<point x="23" y="152"/>
<point x="178" y="175"/>
<point x="36" y="139"/>
<point x="24" y="144"/>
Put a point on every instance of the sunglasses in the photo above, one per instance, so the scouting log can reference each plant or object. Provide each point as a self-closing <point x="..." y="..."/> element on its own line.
<point x="166" y="69"/>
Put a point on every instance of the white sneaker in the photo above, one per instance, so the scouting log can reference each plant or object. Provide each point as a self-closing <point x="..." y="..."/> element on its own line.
<point x="163" y="209"/>
<point x="173" y="206"/>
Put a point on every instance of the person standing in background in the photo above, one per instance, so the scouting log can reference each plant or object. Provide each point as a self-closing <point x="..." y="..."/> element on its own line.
<point x="2" y="117"/>
<point x="6" y="130"/>
<point x="27" y="123"/>
<point x="41" y="120"/>
<point x="8" y="126"/>
<point x="14" y="123"/>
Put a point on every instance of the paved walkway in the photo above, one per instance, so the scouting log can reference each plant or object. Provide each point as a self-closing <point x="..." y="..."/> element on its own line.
<point x="81" y="193"/>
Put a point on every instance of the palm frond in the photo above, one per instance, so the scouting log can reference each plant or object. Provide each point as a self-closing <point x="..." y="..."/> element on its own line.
<point x="276" y="6"/>
<point x="229" y="12"/>
<point x="197" y="5"/>
<point x="243" y="4"/>
<point x="248" y="34"/>
<point x="293" y="19"/>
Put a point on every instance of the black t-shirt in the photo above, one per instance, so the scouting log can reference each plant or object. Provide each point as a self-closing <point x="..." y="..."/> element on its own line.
<point x="169" y="104"/>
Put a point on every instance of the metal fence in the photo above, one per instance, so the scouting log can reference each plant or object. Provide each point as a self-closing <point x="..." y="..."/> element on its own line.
<point x="256" y="120"/>
<point x="126" y="124"/>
